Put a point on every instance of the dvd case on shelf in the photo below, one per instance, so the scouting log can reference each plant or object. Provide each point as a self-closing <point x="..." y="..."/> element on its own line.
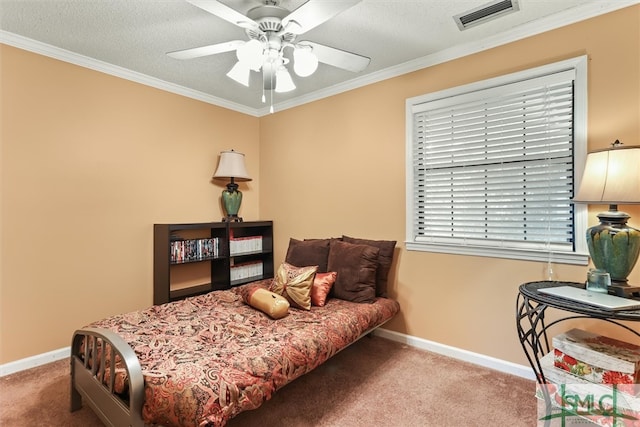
<point x="189" y="250"/>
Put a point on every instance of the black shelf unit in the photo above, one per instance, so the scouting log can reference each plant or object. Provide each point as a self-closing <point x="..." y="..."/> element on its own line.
<point x="178" y="277"/>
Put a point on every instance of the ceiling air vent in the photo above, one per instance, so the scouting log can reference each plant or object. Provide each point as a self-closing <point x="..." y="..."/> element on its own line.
<point x="486" y="13"/>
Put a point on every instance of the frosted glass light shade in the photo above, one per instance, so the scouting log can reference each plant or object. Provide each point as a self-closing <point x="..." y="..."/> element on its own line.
<point x="284" y="82"/>
<point x="240" y="73"/>
<point x="305" y="62"/>
<point x="250" y="54"/>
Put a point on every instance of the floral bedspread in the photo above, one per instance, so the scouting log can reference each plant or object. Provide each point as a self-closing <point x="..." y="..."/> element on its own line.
<point x="207" y="358"/>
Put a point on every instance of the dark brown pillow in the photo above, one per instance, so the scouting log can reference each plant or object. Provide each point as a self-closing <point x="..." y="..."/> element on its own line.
<point x="385" y="258"/>
<point x="308" y="252"/>
<point x="356" y="266"/>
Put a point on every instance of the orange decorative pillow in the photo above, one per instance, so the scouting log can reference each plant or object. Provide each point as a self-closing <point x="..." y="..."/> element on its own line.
<point x="321" y="286"/>
<point x="294" y="283"/>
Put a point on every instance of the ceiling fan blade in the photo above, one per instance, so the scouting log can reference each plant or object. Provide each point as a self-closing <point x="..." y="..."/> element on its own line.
<point x="313" y="13"/>
<point x="212" y="49"/>
<point x="225" y="12"/>
<point x="337" y="57"/>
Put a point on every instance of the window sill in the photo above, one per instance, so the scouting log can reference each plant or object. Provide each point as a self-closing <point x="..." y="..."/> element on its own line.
<point x="507" y="253"/>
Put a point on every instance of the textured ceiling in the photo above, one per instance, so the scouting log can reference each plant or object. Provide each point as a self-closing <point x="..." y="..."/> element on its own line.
<point x="130" y="38"/>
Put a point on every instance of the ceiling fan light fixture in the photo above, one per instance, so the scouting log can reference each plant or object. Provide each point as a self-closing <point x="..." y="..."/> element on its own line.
<point x="270" y="29"/>
<point x="251" y="54"/>
<point x="305" y="62"/>
<point x="284" y="82"/>
<point x="240" y="73"/>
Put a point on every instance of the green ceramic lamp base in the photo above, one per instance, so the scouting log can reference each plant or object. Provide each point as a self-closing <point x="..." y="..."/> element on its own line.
<point x="231" y="200"/>
<point x="613" y="245"/>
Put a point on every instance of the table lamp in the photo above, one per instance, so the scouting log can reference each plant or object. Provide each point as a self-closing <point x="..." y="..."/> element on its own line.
<point x="612" y="176"/>
<point x="231" y="166"/>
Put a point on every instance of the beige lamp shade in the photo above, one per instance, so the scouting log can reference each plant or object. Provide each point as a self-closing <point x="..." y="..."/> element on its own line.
<point x="611" y="176"/>
<point x="231" y="165"/>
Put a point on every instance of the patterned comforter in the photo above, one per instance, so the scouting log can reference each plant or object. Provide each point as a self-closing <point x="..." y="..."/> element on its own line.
<point x="207" y="358"/>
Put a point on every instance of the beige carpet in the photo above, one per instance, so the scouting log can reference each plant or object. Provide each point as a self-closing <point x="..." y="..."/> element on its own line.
<point x="375" y="382"/>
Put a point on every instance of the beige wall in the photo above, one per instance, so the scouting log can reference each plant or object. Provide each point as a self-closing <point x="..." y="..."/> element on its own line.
<point x="337" y="166"/>
<point x="90" y="162"/>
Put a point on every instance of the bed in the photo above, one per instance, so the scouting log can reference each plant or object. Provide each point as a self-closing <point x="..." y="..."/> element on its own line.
<point x="203" y="360"/>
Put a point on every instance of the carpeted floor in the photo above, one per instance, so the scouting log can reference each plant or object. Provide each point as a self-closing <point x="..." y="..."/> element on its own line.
<point x="375" y="382"/>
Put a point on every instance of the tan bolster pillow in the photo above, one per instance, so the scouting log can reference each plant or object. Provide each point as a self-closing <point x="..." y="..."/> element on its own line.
<point x="274" y="305"/>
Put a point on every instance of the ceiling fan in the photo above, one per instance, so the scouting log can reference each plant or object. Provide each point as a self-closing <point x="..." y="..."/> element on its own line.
<point x="271" y="29"/>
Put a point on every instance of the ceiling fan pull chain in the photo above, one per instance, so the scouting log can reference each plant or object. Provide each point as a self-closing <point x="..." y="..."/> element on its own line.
<point x="271" y="94"/>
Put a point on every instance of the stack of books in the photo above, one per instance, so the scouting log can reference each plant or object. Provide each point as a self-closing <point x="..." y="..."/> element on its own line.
<point x="241" y="245"/>
<point x="247" y="271"/>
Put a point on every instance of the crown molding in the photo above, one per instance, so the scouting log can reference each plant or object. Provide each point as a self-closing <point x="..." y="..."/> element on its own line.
<point x="565" y="18"/>
<point x="568" y="17"/>
<point x="50" y="51"/>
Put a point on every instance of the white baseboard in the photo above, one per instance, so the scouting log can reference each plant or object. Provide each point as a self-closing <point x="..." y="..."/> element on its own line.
<point x="457" y="353"/>
<point x="33" y="361"/>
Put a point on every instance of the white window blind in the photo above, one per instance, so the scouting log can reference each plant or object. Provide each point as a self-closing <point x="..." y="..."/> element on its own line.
<point x="495" y="167"/>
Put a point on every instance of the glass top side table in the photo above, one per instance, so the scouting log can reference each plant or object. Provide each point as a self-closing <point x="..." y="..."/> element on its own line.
<point x="531" y="306"/>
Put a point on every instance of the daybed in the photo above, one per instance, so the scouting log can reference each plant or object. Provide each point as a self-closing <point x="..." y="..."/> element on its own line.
<point x="202" y="360"/>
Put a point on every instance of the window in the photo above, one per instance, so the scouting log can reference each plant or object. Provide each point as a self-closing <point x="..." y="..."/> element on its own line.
<point x="492" y="166"/>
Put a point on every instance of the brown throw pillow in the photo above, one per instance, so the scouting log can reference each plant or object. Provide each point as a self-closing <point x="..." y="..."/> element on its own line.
<point x="294" y="283"/>
<point x="356" y="266"/>
<point x="308" y="252"/>
<point x="385" y="258"/>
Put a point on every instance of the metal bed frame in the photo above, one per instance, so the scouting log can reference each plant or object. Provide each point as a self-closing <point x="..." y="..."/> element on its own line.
<point x="91" y="359"/>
